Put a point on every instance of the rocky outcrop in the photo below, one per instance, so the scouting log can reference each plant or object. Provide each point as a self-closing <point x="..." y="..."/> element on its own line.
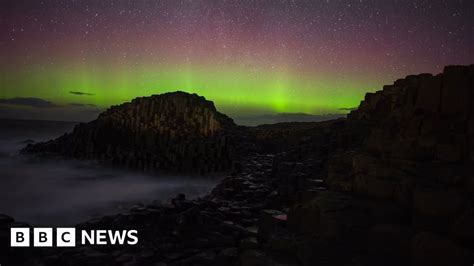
<point x="417" y="154"/>
<point x="419" y="141"/>
<point x="173" y="131"/>
<point x="423" y="118"/>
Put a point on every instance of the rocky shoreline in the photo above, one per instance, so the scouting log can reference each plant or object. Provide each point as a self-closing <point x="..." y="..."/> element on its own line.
<point x="392" y="184"/>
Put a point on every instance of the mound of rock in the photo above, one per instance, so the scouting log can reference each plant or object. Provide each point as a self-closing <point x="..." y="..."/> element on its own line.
<point x="172" y="131"/>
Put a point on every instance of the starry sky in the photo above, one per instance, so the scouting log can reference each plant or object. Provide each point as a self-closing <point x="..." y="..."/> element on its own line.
<point x="69" y="59"/>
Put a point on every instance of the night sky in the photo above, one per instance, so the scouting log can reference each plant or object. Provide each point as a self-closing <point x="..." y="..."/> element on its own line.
<point x="69" y="59"/>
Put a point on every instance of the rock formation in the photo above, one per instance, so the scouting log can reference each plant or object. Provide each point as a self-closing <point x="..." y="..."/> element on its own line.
<point x="173" y="131"/>
<point x="416" y="163"/>
<point x="390" y="185"/>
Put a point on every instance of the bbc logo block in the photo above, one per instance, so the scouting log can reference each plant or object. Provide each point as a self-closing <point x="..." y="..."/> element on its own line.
<point x="42" y="237"/>
<point x="66" y="237"/>
<point x="20" y="237"/>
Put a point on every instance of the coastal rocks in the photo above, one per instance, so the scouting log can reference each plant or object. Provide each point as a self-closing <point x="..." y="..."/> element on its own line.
<point x="172" y="131"/>
<point x="390" y="185"/>
<point x="421" y="117"/>
<point x="219" y="229"/>
<point x="416" y="156"/>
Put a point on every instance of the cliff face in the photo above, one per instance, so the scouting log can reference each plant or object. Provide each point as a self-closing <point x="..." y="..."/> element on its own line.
<point x="420" y="133"/>
<point x="416" y="163"/>
<point x="173" y="131"/>
<point x="423" y="117"/>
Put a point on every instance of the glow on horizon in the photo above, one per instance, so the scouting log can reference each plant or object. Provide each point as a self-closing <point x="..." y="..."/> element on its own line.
<point x="229" y="88"/>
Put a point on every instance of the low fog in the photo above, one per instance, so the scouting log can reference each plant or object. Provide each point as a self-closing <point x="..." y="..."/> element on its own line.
<point x="64" y="192"/>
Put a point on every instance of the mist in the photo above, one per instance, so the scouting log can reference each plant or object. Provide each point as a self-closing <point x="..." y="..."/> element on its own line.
<point x="60" y="192"/>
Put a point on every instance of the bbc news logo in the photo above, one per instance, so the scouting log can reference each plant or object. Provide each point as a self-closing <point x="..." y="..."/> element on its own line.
<point x="66" y="237"/>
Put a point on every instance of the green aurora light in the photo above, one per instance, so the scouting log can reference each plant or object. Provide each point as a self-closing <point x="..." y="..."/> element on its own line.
<point x="231" y="89"/>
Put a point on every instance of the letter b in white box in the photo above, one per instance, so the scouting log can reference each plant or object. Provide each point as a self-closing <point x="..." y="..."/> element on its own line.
<point x="43" y="237"/>
<point x="19" y="237"/>
<point x="66" y="237"/>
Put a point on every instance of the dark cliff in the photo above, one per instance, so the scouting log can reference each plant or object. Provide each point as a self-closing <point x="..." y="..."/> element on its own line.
<point x="423" y="117"/>
<point x="172" y="131"/>
<point x="404" y="190"/>
<point x="420" y="132"/>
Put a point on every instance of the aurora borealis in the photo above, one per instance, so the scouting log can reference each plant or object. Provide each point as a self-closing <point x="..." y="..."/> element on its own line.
<point x="249" y="57"/>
